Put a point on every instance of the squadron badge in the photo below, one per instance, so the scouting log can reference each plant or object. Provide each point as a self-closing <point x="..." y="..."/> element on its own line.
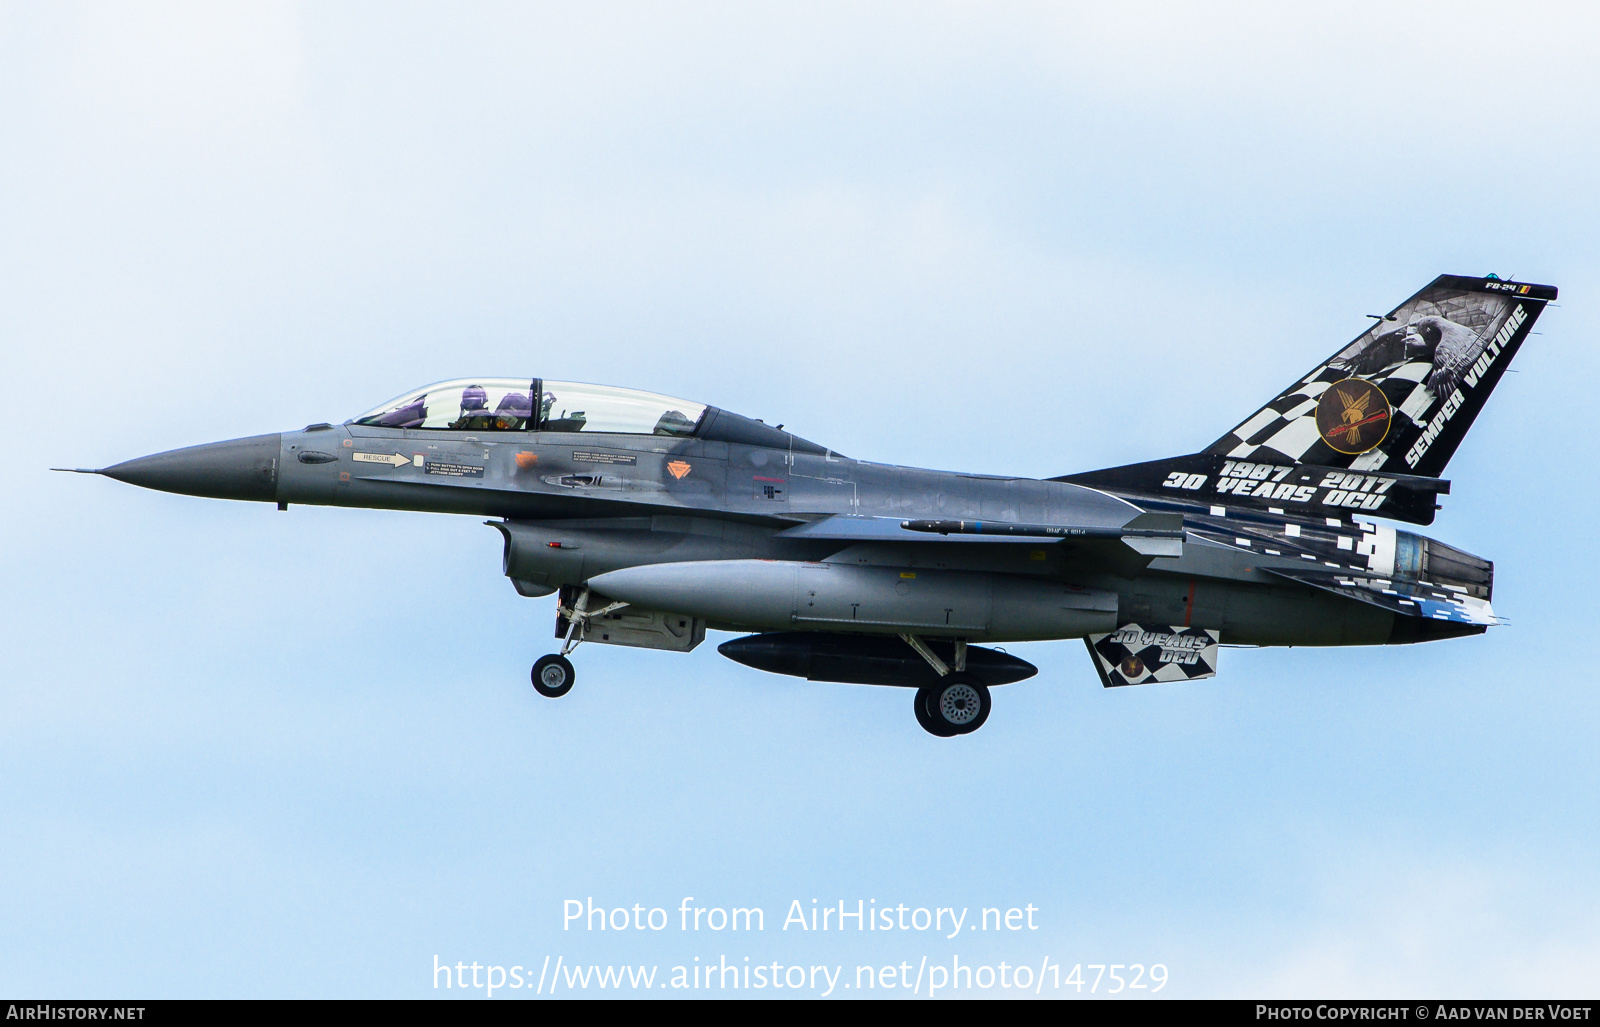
<point x="1353" y="416"/>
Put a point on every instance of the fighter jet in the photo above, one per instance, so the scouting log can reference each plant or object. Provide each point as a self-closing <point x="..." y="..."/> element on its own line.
<point x="653" y="519"/>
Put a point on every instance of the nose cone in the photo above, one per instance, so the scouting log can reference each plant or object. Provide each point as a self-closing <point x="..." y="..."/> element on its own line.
<point x="239" y="469"/>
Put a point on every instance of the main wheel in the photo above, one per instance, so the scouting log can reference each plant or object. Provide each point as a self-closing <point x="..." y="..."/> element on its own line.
<point x="920" y="705"/>
<point x="958" y="704"/>
<point x="553" y="676"/>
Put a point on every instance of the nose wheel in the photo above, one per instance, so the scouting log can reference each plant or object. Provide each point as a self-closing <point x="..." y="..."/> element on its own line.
<point x="553" y="676"/>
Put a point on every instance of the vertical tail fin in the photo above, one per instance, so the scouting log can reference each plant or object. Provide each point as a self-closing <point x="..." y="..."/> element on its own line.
<point x="1402" y="395"/>
<point x="1371" y="428"/>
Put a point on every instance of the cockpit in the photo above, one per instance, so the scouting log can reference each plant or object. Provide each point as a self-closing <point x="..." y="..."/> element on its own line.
<point x="521" y="404"/>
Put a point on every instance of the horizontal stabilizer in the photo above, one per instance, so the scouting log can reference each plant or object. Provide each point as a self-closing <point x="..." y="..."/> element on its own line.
<point x="1411" y="598"/>
<point x="1136" y="655"/>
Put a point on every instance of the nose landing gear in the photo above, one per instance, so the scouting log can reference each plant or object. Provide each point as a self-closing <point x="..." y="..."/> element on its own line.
<point x="553" y="674"/>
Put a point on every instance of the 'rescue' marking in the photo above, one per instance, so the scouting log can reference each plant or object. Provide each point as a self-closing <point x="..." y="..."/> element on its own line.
<point x="396" y="460"/>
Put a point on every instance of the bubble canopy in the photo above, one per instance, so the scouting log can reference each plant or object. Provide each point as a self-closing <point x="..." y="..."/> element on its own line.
<point x="507" y="404"/>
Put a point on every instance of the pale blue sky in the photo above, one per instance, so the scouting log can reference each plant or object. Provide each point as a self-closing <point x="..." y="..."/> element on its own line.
<point x="252" y="753"/>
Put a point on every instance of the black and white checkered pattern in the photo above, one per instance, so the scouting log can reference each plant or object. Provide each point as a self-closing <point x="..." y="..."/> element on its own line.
<point x="1285" y="430"/>
<point x="1136" y="655"/>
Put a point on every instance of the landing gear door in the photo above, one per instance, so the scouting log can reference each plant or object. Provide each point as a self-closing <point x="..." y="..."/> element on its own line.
<point x="1139" y="655"/>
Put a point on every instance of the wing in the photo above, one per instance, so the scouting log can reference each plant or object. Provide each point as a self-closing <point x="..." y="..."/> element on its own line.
<point x="1128" y="546"/>
<point x="1152" y="534"/>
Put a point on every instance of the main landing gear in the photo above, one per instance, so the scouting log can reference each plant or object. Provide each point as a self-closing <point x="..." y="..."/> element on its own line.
<point x="553" y="674"/>
<point x="958" y="703"/>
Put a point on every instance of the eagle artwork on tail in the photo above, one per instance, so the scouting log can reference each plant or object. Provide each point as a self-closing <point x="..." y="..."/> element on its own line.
<point x="1454" y="347"/>
<point x="1449" y="347"/>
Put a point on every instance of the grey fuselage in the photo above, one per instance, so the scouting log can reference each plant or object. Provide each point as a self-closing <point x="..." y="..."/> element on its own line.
<point x="573" y="506"/>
